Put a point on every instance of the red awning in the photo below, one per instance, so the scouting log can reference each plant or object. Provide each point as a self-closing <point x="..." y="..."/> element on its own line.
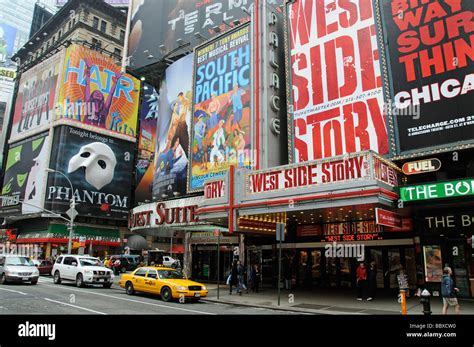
<point x="176" y="249"/>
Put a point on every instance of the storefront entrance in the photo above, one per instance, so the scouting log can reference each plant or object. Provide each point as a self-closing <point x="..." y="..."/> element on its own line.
<point x="204" y="266"/>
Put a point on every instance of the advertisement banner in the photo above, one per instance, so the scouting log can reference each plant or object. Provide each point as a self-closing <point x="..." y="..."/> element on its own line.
<point x="179" y="20"/>
<point x="336" y="96"/>
<point x="452" y="189"/>
<point x="25" y="176"/>
<point x="429" y="48"/>
<point x="7" y="41"/>
<point x="221" y="127"/>
<point x="36" y="99"/>
<point x="146" y="144"/>
<point x="94" y="91"/>
<point x="99" y="168"/>
<point x="433" y="263"/>
<point x="172" y="132"/>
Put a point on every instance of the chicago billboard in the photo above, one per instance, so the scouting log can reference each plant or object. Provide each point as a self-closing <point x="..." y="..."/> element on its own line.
<point x="25" y="176"/>
<point x="36" y="98"/>
<point x="100" y="169"/>
<point x="336" y="87"/>
<point x="149" y="112"/>
<point x="172" y="138"/>
<point x="94" y="91"/>
<point x="430" y="54"/>
<point x="221" y="122"/>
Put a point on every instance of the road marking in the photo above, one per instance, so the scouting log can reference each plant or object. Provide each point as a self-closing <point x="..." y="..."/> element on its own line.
<point x="131" y="300"/>
<point x="14" y="291"/>
<point x="79" y="307"/>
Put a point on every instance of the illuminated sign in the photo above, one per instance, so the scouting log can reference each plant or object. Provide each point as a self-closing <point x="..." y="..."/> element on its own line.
<point x="387" y="218"/>
<point x="421" y="166"/>
<point x="452" y="189"/>
<point x="214" y="190"/>
<point x="309" y="174"/>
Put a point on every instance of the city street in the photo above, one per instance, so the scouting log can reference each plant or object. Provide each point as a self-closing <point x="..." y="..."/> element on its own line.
<point x="48" y="298"/>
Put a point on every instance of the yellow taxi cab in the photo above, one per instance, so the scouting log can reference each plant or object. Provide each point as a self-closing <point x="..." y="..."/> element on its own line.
<point x="167" y="282"/>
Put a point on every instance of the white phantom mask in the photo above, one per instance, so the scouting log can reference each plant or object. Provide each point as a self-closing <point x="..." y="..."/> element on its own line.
<point x="99" y="162"/>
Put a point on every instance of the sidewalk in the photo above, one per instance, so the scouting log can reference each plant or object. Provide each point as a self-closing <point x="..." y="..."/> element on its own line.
<point x="326" y="301"/>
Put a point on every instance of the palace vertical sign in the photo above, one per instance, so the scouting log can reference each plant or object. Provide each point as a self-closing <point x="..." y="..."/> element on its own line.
<point x="336" y="93"/>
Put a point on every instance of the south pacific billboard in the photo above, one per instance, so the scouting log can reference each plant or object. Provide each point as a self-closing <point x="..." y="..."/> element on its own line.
<point x="25" y="176"/>
<point x="94" y="91"/>
<point x="429" y="48"/>
<point x="221" y="123"/>
<point x="35" y="104"/>
<point x="99" y="168"/>
<point x="335" y="95"/>
<point x="145" y="168"/>
<point x="172" y="134"/>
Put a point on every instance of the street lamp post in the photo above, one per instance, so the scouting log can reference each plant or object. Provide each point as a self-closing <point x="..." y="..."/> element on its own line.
<point x="72" y="205"/>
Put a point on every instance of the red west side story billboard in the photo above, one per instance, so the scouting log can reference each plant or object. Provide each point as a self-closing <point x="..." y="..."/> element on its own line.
<point x="336" y="87"/>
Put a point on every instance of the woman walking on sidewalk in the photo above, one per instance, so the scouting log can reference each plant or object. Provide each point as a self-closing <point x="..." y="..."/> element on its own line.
<point x="448" y="291"/>
<point x="361" y="280"/>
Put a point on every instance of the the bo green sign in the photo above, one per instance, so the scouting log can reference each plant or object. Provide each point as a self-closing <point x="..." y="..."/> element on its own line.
<point x="438" y="190"/>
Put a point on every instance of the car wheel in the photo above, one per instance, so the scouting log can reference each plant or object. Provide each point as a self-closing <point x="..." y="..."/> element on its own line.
<point x="107" y="285"/>
<point x="166" y="294"/>
<point x="57" y="278"/>
<point x="129" y="288"/>
<point x="34" y="282"/>
<point x="3" y="279"/>
<point x="79" y="281"/>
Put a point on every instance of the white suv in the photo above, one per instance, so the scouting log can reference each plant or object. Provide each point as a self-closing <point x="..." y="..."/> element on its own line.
<point x="81" y="269"/>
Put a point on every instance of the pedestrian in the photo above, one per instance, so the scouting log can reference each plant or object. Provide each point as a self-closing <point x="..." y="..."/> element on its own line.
<point x="287" y="273"/>
<point x="448" y="291"/>
<point x="256" y="277"/>
<point x="240" y="277"/>
<point x="372" y="281"/>
<point x="361" y="280"/>
<point x="116" y="265"/>
<point x="233" y="280"/>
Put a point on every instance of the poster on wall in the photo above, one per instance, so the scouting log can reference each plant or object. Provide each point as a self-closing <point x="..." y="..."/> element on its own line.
<point x="25" y="176"/>
<point x="7" y="41"/>
<point x="145" y="168"/>
<point x="336" y="86"/>
<point x="433" y="263"/>
<point x="221" y="123"/>
<point x="99" y="168"/>
<point x="172" y="138"/>
<point x="179" y="19"/>
<point x="94" y="91"/>
<point x="35" y="104"/>
<point x="430" y="49"/>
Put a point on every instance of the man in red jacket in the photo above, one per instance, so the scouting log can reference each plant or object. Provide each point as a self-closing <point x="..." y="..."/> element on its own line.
<point x="361" y="280"/>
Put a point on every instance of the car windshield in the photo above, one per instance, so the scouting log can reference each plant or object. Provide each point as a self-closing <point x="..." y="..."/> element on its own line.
<point x="90" y="262"/>
<point x="170" y="275"/>
<point x="19" y="261"/>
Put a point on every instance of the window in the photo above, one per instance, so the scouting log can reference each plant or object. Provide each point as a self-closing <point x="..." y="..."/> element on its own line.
<point x="69" y="260"/>
<point x="2" y="261"/>
<point x="69" y="26"/>
<point x="60" y="33"/>
<point x="118" y="52"/>
<point x="59" y="260"/>
<point x="96" y="44"/>
<point x="152" y="274"/>
<point x="140" y="273"/>
<point x="95" y="23"/>
<point x="122" y="35"/>
<point x="103" y="26"/>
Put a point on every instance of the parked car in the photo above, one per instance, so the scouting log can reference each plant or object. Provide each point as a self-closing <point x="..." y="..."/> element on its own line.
<point x="81" y="269"/>
<point x="44" y="266"/>
<point x="127" y="263"/>
<point x="167" y="282"/>
<point x="171" y="262"/>
<point x="14" y="268"/>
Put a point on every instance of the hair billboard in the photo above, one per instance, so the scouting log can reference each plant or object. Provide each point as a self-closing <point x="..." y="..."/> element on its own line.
<point x="221" y="124"/>
<point x="336" y="86"/>
<point x="430" y="49"/>
<point x="94" y="91"/>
